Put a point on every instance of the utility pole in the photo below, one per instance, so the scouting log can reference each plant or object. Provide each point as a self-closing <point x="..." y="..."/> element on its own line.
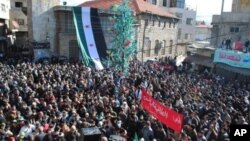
<point x="144" y="32"/>
<point x="143" y="39"/>
<point x="221" y="22"/>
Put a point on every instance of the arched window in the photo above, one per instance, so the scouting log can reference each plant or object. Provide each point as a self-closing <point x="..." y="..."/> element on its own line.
<point x="163" y="50"/>
<point x="171" y="47"/>
<point x="148" y="47"/>
<point x="157" y="47"/>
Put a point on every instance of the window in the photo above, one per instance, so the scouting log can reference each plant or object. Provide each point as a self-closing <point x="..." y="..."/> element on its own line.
<point x="179" y="15"/>
<point x="164" y="24"/>
<point x="146" y="22"/>
<point x="172" y="3"/>
<point x="234" y="29"/>
<point x="153" y="23"/>
<point x="3" y="8"/>
<point x="177" y="3"/>
<point x="159" y="24"/>
<point x="163" y="50"/>
<point x="171" y="47"/>
<point x="69" y="23"/>
<point x="20" y="21"/>
<point x="180" y="3"/>
<point x="18" y="4"/>
<point x="186" y="36"/>
<point x="164" y="3"/>
<point x="189" y="21"/>
<point x="169" y="25"/>
<point x="148" y="47"/>
<point x="174" y="25"/>
<point x="179" y="34"/>
<point x="154" y="2"/>
<point x="157" y="47"/>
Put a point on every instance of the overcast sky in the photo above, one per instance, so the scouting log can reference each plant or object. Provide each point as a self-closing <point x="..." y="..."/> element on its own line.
<point x="205" y="8"/>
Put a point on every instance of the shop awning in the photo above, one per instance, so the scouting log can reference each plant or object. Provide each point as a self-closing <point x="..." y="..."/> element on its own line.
<point x="200" y="60"/>
<point x="234" y="69"/>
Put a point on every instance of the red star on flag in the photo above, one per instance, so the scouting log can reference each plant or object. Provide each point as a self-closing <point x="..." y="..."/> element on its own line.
<point x="87" y="26"/>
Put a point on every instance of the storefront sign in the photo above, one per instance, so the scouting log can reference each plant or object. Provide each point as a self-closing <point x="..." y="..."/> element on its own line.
<point x="38" y="45"/>
<point x="232" y="58"/>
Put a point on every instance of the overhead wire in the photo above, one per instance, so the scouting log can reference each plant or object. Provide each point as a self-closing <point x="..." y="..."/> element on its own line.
<point x="108" y="27"/>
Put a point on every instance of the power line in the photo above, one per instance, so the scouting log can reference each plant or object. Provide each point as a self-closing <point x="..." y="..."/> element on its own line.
<point x="105" y="28"/>
<point x="200" y="40"/>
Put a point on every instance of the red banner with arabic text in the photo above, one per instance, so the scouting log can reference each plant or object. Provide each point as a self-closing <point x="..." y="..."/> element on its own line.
<point x="163" y="113"/>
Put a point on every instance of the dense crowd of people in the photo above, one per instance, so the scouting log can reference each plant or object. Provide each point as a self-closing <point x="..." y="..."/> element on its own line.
<point x="53" y="102"/>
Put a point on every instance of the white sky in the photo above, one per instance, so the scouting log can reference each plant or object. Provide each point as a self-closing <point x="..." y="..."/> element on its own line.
<point x="205" y="8"/>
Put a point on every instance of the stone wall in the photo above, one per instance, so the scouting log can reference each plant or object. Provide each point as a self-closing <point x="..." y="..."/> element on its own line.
<point x="163" y="33"/>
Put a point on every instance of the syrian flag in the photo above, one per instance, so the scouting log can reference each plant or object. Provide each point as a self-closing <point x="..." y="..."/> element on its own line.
<point x="90" y="36"/>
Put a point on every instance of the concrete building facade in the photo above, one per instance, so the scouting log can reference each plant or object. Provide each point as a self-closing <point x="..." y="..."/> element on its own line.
<point x="241" y="6"/>
<point x="156" y="29"/>
<point x="33" y="24"/>
<point x="234" y="25"/>
<point x="41" y="21"/>
<point x="4" y="23"/>
<point x="186" y="28"/>
<point x="202" y="31"/>
<point x="18" y="21"/>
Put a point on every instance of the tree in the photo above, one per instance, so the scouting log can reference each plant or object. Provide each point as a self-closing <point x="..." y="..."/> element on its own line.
<point x="123" y="45"/>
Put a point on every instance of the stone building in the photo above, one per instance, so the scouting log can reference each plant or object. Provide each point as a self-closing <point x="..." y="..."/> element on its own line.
<point x="234" y="25"/>
<point x="156" y="29"/>
<point x="187" y="16"/>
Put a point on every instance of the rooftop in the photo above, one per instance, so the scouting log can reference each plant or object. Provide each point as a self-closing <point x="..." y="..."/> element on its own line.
<point x="138" y="6"/>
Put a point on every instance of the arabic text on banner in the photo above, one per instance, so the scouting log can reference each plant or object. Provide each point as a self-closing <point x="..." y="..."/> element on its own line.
<point x="163" y="113"/>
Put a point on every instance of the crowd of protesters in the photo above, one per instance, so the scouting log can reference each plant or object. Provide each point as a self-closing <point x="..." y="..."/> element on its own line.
<point x="53" y="102"/>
